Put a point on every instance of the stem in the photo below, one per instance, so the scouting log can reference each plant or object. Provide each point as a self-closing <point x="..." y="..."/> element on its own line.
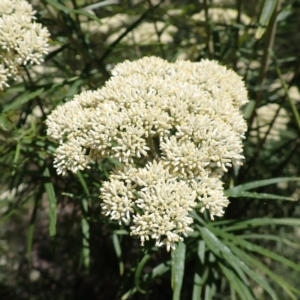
<point x="209" y="46"/>
<point x="269" y="42"/>
<point x="284" y="85"/>
<point x="152" y="148"/>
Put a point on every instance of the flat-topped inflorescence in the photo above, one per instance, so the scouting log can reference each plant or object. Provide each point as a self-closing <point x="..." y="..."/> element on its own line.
<point x="174" y="127"/>
<point x="22" y="40"/>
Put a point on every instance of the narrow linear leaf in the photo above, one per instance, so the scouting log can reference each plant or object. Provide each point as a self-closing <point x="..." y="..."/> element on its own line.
<point x="87" y="14"/>
<point x="59" y="6"/>
<point x="242" y="290"/>
<point x="254" y="248"/>
<point x="83" y="11"/>
<point x="30" y="241"/>
<point x="31" y="230"/>
<point x="129" y="29"/>
<point x="199" y="283"/>
<point x="22" y="100"/>
<point x="52" y="202"/>
<point x="259" y="222"/>
<point x="121" y="232"/>
<point x="138" y="273"/>
<point x="118" y="251"/>
<point x="85" y="226"/>
<point x="285" y="87"/>
<point x="6" y="125"/>
<point x="210" y="291"/>
<point x="249" y="108"/>
<point x="264" y="196"/>
<point x="16" y="158"/>
<point x="74" y="88"/>
<point x="257" y="264"/>
<point x="85" y="243"/>
<point x="201" y="272"/>
<point x="83" y="183"/>
<point x="100" y="4"/>
<point x="234" y="260"/>
<point x="178" y="261"/>
<point x="260" y="183"/>
<point x="157" y="272"/>
<point x="220" y="250"/>
<point x="128" y="294"/>
<point x="266" y="13"/>
<point x="270" y="237"/>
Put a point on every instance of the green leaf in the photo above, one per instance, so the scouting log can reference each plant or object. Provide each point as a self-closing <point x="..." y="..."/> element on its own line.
<point x="286" y="90"/>
<point x="22" y="100"/>
<point x="121" y="232"/>
<point x="257" y="264"/>
<point x="74" y="88"/>
<point x="243" y="291"/>
<point x="157" y="272"/>
<point x="259" y="222"/>
<point x="129" y="294"/>
<point x="201" y="272"/>
<point x="6" y="124"/>
<point x="250" y="106"/>
<point x="138" y="273"/>
<point x="178" y="261"/>
<point x="30" y="231"/>
<point x="29" y="241"/>
<point x="224" y="252"/>
<point x="85" y="227"/>
<point x="118" y="251"/>
<point x="52" y="202"/>
<point x="259" y="183"/>
<point x="270" y="237"/>
<point x="210" y="291"/>
<point x="83" y="183"/>
<point x="285" y="13"/>
<point x="87" y="14"/>
<point x="244" y="194"/>
<point x="100" y="4"/>
<point x="59" y="6"/>
<point x="16" y="158"/>
<point x="129" y="29"/>
<point x="266" y="14"/>
<point x="254" y="248"/>
<point x="211" y="241"/>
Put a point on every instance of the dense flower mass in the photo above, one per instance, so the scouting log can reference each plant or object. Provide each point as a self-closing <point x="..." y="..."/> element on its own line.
<point x="174" y="127"/>
<point x="21" y="39"/>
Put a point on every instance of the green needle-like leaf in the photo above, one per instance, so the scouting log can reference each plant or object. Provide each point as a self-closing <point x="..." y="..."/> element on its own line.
<point x="178" y="261"/>
<point x="266" y="14"/>
<point x="259" y="183"/>
<point x="224" y="252"/>
<point x="52" y="202"/>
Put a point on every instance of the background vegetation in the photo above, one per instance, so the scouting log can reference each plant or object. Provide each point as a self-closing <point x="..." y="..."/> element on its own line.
<point x="54" y="242"/>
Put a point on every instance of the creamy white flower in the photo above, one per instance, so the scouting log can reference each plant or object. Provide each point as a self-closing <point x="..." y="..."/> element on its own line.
<point x="164" y="216"/>
<point x="172" y="126"/>
<point x="183" y="158"/>
<point x="71" y="156"/>
<point x="21" y="39"/>
<point x="209" y="191"/>
<point x="117" y="200"/>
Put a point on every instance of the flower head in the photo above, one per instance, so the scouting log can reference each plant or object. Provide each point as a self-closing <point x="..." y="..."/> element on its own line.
<point x="172" y="126"/>
<point x="21" y="39"/>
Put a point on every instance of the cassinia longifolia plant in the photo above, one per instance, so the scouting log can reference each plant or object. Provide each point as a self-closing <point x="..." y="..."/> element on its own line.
<point x="174" y="127"/>
<point x="21" y="39"/>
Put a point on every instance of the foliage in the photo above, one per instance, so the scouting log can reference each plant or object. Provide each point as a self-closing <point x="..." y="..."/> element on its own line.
<point x="54" y="241"/>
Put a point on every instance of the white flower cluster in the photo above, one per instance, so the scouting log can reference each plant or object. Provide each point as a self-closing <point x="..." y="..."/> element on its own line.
<point x="21" y="39"/>
<point x="173" y="126"/>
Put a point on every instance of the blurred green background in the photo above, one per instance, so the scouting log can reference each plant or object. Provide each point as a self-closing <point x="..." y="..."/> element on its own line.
<point x="54" y="242"/>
